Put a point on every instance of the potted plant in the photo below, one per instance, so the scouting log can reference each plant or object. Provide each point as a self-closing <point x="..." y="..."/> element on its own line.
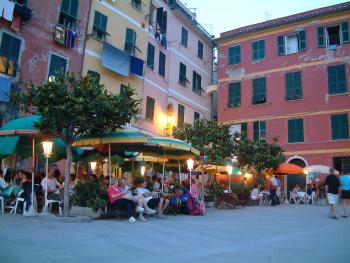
<point x="88" y="199"/>
<point x="212" y="194"/>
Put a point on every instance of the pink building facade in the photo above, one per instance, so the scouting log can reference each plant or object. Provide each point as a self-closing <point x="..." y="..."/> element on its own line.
<point x="39" y="38"/>
<point x="289" y="78"/>
<point x="177" y="71"/>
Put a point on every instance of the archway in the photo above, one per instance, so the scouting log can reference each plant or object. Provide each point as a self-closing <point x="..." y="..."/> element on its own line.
<point x="293" y="179"/>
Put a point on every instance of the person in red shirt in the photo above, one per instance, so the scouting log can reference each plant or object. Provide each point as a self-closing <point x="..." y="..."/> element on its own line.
<point x="115" y="198"/>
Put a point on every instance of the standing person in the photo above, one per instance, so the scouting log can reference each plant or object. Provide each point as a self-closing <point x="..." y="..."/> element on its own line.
<point x="273" y="183"/>
<point x="194" y="190"/>
<point x="332" y="188"/>
<point x="345" y="192"/>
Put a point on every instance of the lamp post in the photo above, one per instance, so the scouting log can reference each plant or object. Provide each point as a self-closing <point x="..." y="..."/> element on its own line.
<point x="190" y="167"/>
<point x="47" y="148"/>
<point x="229" y="169"/>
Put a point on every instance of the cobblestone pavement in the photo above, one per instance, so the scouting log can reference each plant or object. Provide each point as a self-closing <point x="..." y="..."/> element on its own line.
<point x="284" y="234"/>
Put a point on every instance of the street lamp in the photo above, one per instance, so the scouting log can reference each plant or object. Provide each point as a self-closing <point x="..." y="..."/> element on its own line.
<point x="229" y="169"/>
<point x="93" y="166"/>
<point x="47" y="148"/>
<point x="143" y="170"/>
<point x="190" y="163"/>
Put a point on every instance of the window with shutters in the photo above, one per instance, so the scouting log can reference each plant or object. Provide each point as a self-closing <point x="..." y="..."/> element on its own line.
<point x="99" y="29"/>
<point x="259" y="91"/>
<point x="150" y="108"/>
<point x="69" y="14"/>
<point x="136" y="3"/>
<point x="244" y="131"/>
<point x="234" y="94"/>
<point x="196" y="116"/>
<point x="184" y="37"/>
<point x="94" y="75"/>
<point x="295" y="130"/>
<point x="180" y="116"/>
<point x="159" y="19"/>
<point x="333" y="35"/>
<point x="337" y="79"/>
<point x="293" y="86"/>
<point x="234" y="55"/>
<point x="340" y="126"/>
<point x="259" y="131"/>
<point x="150" y="56"/>
<point x="200" y="50"/>
<point x="123" y="88"/>
<point x="130" y="41"/>
<point x="58" y="65"/>
<point x="182" y="75"/>
<point x="9" y="54"/>
<point x="292" y="43"/>
<point x="258" y="49"/>
<point x="161" y="68"/>
<point x="196" y="83"/>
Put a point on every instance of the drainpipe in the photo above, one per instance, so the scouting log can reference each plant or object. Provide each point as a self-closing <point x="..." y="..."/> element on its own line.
<point x="85" y="38"/>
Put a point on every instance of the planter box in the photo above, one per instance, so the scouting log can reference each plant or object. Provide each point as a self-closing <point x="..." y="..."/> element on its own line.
<point x="85" y="211"/>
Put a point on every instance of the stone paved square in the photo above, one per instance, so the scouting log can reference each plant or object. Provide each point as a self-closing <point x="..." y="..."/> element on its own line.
<point x="285" y="233"/>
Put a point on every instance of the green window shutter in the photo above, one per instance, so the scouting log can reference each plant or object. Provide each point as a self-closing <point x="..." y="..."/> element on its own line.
<point x="130" y="41"/>
<point x="289" y="86"/>
<point x="261" y="49"/>
<point x="297" y="85"/>
<point x="97" y="18"/>
<point x="234" y="94"/>
<point x="149" y="109"/>
<point x="259" y="91"/>
<point x="320" y="37"/>
<point x="262" y="131"/>
<point x="340" y="126"/>
<point x="180" y="116"/>
<point x="70" y="7"/>
<point x="345" y="32"/>
<point x="200" y="50"/>
<point x="163" y="28"/>
<point x="280" y="45"/>
<point x="184" y="37"/>
<point x="237" y="54"/>
<point x="150" y="56"/>
<point x="295" y="130"/>
<point x="161" y="68"/>
<point x="337" y="79"/>
<point x="302" y="40"/>
<point x="122" y="90"/>
<point x="182" y="74"/>
<point x="231" y="55"/>
<point x="57" y="64"/>
<point x="65" y="6"/>
<point x="100" y="22"/>
<point x="256" y="131"/>
<point x="244" y="131"/>
<point x="255" y="53"/>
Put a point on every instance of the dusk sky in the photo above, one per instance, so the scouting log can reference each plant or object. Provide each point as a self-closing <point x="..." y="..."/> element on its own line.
<point x="218" y="16"/>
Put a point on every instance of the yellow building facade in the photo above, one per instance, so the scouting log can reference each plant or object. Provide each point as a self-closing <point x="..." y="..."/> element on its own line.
<point x="116" y="44"/>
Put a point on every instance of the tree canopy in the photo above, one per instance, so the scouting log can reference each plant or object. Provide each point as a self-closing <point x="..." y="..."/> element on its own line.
<point x="209" y="137"/>
<point x="73" y="105"/>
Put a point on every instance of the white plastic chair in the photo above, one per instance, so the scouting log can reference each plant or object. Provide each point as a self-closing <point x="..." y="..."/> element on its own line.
<point x="18" y="200"/>
<point x="310" y="198"/>
<point x="296" y="198"/>
<point x="2" y="203"/>
<point x="50" y="202"/>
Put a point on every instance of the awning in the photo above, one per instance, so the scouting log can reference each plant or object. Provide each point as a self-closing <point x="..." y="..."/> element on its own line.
<point x="136" y="66"/>
<point x="116" y="60"/>
<point x="5" y="86"/>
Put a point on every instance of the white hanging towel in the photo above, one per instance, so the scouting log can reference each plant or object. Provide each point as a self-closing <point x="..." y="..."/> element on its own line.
<point x="2" y="6"/>
<point x="8" y="10"/>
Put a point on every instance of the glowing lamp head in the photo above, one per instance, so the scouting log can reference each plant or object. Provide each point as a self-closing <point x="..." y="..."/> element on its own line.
<point x="190" y="163"/>
<point x="93" y="165"/>
<point x="47" y="148"/>
<point x="229" y="169"/>
<point x="143" y="170"/>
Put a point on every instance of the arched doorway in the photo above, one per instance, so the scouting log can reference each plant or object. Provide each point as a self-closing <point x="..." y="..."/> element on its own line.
<point x="293" y="179"/>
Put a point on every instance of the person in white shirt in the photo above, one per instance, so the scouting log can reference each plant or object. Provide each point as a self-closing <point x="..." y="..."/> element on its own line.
<point x="256" y="195"/>
<point x="150" y="201"/>
<point x="53" y="187"/>
<point x="3" y="183"/>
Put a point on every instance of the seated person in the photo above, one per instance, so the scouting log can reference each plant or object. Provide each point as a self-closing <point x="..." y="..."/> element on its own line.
<point x="3" y="183"/>
<point x="150" y="201"/>
<point x="124" y="187"/>
<point x="116" y="198"/>
<point x="27" y="188"/>
<point x="295" y="190"/>
<point x="309" y="189"/>
<point x="53" y="187"/>
<point x="255" y="195"/>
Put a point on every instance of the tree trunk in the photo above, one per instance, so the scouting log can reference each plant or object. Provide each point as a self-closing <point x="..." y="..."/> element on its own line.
<point x="67" y="180"/>
<point x="202" y="169"/>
